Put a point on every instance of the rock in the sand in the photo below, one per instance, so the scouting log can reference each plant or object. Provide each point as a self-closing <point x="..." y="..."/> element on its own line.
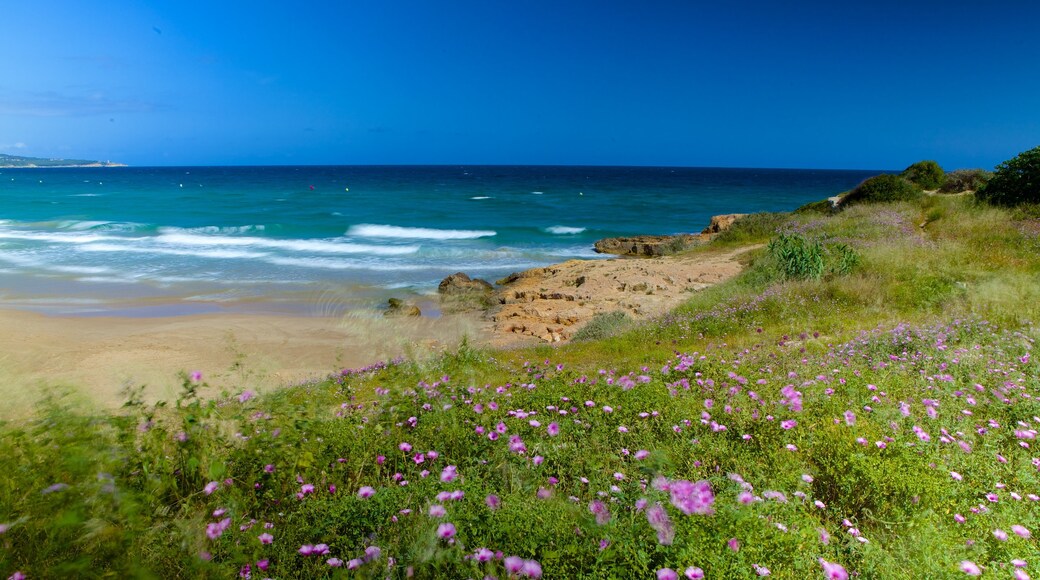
<point x="721" y="223"/>
<point x="460" y="293"/>
<point x="647" y="245"/>
<point x="398" y="307"/>
<point x="460" y="283"/>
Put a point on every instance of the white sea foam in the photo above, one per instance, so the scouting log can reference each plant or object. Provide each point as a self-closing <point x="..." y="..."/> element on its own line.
<point x="81" y="269"/>
<point x="334" y="264"/>
<point x="384" y="231"/>
<point x="194" y="253"/>
<point x="480" y="197"/>
<point x="214" y="229"/>
<point x="537" y="192"/>
<point x="320" y="246"/>
<point x="62" y="238"/>
<point x="564" y="230"/>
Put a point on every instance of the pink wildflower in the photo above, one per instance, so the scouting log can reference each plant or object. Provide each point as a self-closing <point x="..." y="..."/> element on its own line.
<point x="211" y="487"/>
<point x="446" y="530"/>
<point x="970" y="568"/>
<point x="667" y="574"/>
<point x="553" y="429"/>
<point x="694" y="573"/>
<point x="366" y="492"/>
<point x="265" y="538"/>
<point x="832" y="571"/>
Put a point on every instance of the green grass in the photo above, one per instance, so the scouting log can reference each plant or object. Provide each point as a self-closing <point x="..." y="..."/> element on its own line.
<point x="913" y="364"/>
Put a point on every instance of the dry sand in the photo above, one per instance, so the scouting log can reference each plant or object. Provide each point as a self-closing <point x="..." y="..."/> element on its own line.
<point x="98" y="357"/>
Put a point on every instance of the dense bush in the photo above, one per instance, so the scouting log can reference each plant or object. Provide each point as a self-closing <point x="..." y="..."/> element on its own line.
<point x="882" y="188"/>
<point x="925" y="174"/>
<point x="603" y="325"/>
<point x="823" y="206"/>
<point x="1015" y="181"/>
<point x="965" y="180"/>
<point x="796" y="257"/>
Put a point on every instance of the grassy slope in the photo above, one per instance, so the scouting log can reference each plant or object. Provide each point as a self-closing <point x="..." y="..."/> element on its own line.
<point x="912" y="367"/>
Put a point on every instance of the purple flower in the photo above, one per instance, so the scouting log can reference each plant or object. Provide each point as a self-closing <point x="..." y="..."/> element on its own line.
<point x="245" y="396"/>
<point x="406" y="447"/>
<point x="366" y="492"/>
<point x="531" y="569"/>
<point x="334" y="562"/>
<point x="196" y="376"/>
<point x="970" y="568"/>
<point x="513" y="564"/>
<point x="448" y="474"/>
<point x="265" y="538"/>
<point x="642" y="454"/>
<point x="215" y="530"/>
<point x="659" y="521"/>
<point x="372" y="553"/>
<point x="553" y="429"/>
<point x="437" y="511"/>
<point x="492" y="501"/>
<point x="832" y="571"/>
<point x="446" y="530"/>
<point x="694" y="573"/>
<point x="692" y="498"/>
<point x="667" y="574"/>
<point x="211" y="487"/>
<point x="1021" y="531"/>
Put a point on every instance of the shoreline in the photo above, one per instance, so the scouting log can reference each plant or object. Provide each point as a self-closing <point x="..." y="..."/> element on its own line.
<point x="96" y="357"/>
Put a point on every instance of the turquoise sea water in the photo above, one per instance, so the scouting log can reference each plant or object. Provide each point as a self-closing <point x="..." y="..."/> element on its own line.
<point x="195" y="239"/>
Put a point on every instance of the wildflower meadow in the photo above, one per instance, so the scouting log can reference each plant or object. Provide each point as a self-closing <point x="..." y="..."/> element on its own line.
<point x="840" y="426"/>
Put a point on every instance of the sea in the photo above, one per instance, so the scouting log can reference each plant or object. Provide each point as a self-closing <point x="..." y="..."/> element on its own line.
<point x="160" y="241"/>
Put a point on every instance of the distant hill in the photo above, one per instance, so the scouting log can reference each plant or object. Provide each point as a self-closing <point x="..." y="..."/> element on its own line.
<point x="8" y="161"/>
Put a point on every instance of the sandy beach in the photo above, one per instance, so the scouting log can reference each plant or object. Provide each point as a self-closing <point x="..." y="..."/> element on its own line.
<point x="97" y="357"/>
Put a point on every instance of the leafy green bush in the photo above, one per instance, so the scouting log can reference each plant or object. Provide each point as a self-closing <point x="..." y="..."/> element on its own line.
<point x="965" y="180"/>
<point x="603" y="325"/>
<point x="1015" y="181"/>
<point x="796" y="257"/>
<point x="882" y="188"/>
<point x="925" y="174"/>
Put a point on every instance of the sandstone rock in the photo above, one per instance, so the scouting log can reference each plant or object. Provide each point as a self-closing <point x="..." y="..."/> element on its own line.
<point x="647" y="245"/>
<point x="460" y="283"/>
<point x="398" y="307"/>
<point x="721" y="223"/>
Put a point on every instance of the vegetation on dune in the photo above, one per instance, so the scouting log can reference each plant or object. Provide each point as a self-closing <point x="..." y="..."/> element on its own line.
<point x="963" y="180"/>
<point x="926" y="175"/>
<point x="867" y="411"/>
<point x="1015" y="181"/>
<point x="881" y="189"/>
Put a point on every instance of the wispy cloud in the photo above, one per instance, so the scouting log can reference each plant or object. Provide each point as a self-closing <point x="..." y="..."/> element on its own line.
<point x="81" y="104"/>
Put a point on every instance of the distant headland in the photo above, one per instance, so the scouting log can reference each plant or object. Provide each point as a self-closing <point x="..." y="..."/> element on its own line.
<point x="13" y="161"/>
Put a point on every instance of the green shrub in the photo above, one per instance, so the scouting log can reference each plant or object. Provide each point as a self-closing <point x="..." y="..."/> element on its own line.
<point x="796" y="257"/>
<point x="823" y="206"/>
<point x="753" y="227"/>
<point x="1015" y="181"/>
<point x="965" y="180"/>
<point x="925" y="174"/>
<point x="603" y="325"/>
<point x="882" y="188"/>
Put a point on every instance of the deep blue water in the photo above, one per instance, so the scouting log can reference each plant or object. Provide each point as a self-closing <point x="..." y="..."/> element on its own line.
<point x="80" y="240"/>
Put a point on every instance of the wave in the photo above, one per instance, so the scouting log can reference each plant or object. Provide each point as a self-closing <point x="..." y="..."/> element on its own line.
<point x="481" y="197"/>
<point x="333" y="264"/>
<point x="214" y="229"/>
<point x="218" y="254"/>
<point x="320" y="246"/>
<point x="564" y="230"/>
<point x="384" y="231"/>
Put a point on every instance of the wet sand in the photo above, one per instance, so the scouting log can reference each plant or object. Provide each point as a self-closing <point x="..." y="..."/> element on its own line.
<point x="97" y="357"/>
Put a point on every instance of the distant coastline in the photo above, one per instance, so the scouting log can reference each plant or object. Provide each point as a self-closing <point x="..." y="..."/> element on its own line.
<point x="18" y="162"/>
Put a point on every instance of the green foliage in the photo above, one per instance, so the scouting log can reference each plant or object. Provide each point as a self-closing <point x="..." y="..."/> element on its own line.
<point x="755" y="227"/>
<point x="925" y="174"/>
<point x="824" y="206"/>
<point x="603" y="325"/>
<point x="796" y="257"/>
<point x="1015" y="181"/>
<point x="965" y="180"/>
<point x="882" y="189"/>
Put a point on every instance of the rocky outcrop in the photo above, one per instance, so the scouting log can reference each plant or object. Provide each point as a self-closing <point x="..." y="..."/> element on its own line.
<point x="721" y="223"/>
<point x="398" y="307"/>
<point x="460" y="283"/>
<point x="460" y="293"/>
<point x="647" y="246"/>
<point x="550" y="304"/>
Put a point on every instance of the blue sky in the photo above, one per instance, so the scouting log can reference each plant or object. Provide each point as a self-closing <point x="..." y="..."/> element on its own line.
<point x="873" y="84"/>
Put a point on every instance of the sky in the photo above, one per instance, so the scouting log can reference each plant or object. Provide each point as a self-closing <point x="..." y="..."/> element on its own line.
<point x="859" y="85"/>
